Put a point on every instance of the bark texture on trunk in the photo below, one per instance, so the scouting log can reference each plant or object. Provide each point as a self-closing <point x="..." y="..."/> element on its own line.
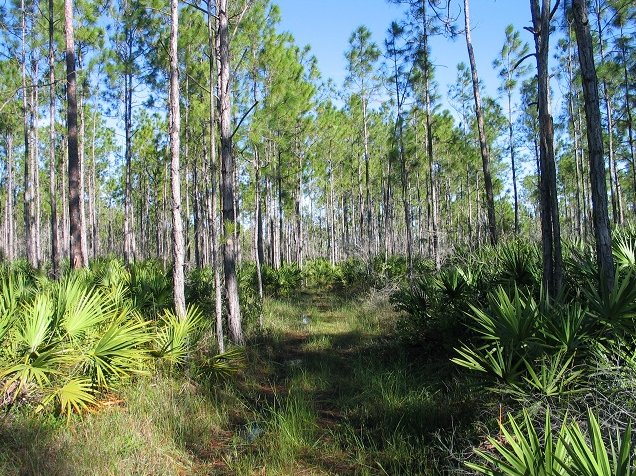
<point x="218" y="298"/>
<point x="227" y="177"/>
<point x="55" y="254"/>
<point x="589" y="82"/>
<point x="73" y="150"/>
<point x="175" y="179"/>
<point x="550" y="222"/>
<point x="483" y="146"/>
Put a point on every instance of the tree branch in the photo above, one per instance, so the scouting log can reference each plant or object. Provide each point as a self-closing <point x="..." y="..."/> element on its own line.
<point x="197" y="7"/>
<point x="516" y="65"/>
<point x="554" y="10"/>
<point x="248" y="4"/>
<point x="197" y="83"/>
<point x="243" y="118"/>
<point x="31" y="86"/>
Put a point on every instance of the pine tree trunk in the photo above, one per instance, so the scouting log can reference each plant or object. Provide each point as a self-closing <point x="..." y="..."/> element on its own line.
<point x="9" y="206"/>
<point x="429" y="152"/>
<point x="595" y="142"/>
<point x="175" y="180"/>
<point x="216" y="265"/>
<point x="129" y="246"/>
<point x="227" y="177"/>
<point x="73" y="152"/>
<point x="483" y="146"/>
<point x="35" y="170"/>
<point x="92" y="216"/>
<point x="550" y="222"/>
<point x="55" y="254"/>
<point x="82" y="173"/>
<point x="27" y="190"/>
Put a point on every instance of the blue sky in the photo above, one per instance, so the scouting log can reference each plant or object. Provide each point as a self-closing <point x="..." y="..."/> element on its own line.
<point x="326" y="25"/>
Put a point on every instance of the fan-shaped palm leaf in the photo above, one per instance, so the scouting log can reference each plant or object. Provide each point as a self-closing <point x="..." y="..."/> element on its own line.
<point x="176" y="337"/>
<point x="37" y="319"/>
<point x="119" y="352"/>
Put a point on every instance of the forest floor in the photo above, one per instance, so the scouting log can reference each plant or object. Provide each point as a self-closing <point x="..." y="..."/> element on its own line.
<point x="327" y="390"/>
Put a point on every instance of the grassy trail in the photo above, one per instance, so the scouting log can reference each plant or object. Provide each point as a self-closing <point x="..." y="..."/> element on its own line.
<point x="334" y="394"/>
<point x="326" y="390"/>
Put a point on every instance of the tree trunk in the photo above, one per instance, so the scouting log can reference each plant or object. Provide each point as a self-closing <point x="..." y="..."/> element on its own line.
<point x="35" y="170"/>
<point x="218" y="301"/>
<point x="82" y="173"/>
<point x="429" y="148"/>
<point x="55" y="254"/>
<point x="73" y="152"/>
<point x="175" y="180"/>
<point x="27" y="190"/>
<point x="227" y="176"/>
<point x="129" y="245"/>
<point x="595" y="142"/>
<point x="483" y="146"/>
<point x="550" y="223"/>
<point x="10" y="208"/>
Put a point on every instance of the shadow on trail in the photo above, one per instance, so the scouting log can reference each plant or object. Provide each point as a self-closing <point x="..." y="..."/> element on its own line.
<point x="378" y="402"/>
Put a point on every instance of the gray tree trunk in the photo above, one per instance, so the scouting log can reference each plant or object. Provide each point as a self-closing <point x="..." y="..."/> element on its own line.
<point x="550" y="222"/>
<point x="175" y="179"/>
<point x="55" y="254"/>
<point x="227" y="177"/>
<point x="595" y="142"/>
<point x="483" y="146"/>
<point x="73" y="152"/>
<point x="214" y="195"/>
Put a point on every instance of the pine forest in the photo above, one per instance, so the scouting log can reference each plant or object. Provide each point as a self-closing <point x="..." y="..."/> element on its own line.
<point x="215" y="260"/>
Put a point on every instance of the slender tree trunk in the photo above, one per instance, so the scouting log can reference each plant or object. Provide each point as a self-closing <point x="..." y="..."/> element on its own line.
<point x="227" y="176"/>
<point x="35" y="170"/>
<point x="175" y="179"/>
<point x="10" y="207"/>
<point x="615" y="186"/>
<point x="92" y="217"/>
<point x="82" y="173"/>
<point x="258" y="236"/>
<point x="483" y="146"/>
<point x="129" y="247"/>
<point x="27" y="186"/>
<point x="513" y="163"/>
<point x="550" y="222"/>
<point x="66" y="227"/>
<point x="55" y="254"/>
<point x="429" y="151"/>
<point x="594" y="141"/>
<point x="218" y="299"/>
<point x="73" y="152"/>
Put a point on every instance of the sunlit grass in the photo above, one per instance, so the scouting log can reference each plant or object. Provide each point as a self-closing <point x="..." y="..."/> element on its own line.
<point x="325" y="392"/>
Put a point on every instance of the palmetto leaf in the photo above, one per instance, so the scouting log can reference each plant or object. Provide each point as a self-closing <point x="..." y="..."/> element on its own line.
<point x="624" y="254"/>
<point x="593" y="459"/>
<point x="616" y="307"/>
<point x="36" y="323"/>
<point x="566" y="328"/>
<point x="119" y="351"/>
<point x="75" y="395"/>
<point x="508" y="320"/>
<point x="522" y="452"/>
<point x="452" y="282"/>
<point x="555" y="376"/>
<point x="80" y="309"/>
<point x="494" y="362"/>
<point x="223" y="366"/>
<point x="176" y="337"/>
<point x="38" y="369"/>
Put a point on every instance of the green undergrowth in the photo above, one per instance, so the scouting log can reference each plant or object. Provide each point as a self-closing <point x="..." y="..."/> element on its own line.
<point x="327" y="389"/>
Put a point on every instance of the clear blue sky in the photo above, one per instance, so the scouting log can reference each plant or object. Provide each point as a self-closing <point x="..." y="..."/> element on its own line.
<point x="326" y="25"/>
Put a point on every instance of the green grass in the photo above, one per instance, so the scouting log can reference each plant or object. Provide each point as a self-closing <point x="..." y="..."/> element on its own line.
<point x="335" y="394"/>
